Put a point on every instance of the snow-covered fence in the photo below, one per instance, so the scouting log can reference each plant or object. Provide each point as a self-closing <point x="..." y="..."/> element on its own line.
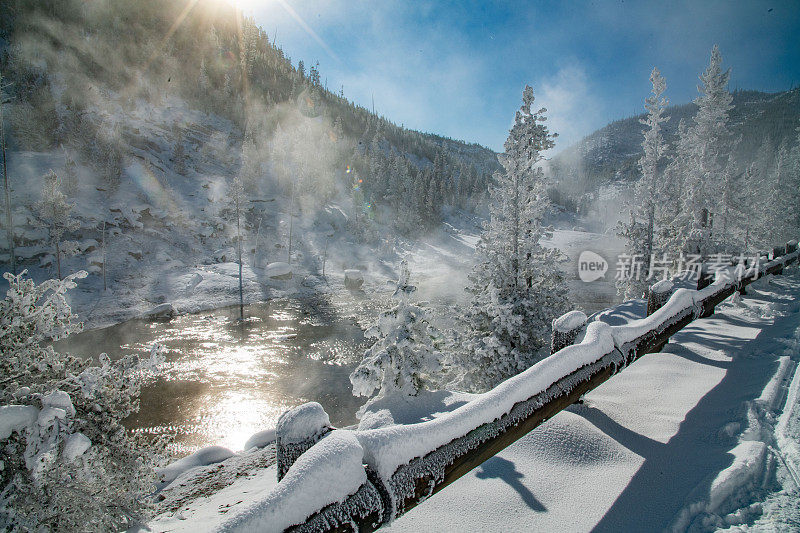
<point x="360" y="480"/>
<point x="298" y="430"/>
<point x="566" y="329"/>
<point x="657" y="295"/>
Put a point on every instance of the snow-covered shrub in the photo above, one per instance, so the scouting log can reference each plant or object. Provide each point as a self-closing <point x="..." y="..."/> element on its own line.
<point x="404" y="358"/>
<point x="68" y="464"/>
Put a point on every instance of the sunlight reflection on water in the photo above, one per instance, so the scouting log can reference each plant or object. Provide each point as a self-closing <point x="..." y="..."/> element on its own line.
<point x="224" y="381"/>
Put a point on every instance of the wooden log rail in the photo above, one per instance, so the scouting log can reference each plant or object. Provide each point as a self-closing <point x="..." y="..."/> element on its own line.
<point x="609" y="349"/>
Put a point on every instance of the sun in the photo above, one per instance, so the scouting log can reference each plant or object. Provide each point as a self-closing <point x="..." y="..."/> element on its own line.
<point x="248" y="6"/>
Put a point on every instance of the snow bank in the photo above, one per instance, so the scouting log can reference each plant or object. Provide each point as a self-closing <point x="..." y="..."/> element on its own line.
<point x="203" y="457"/>
<point x="746" y="470"/>
<point x="327" y="473"/>
<point x="773" y="391"/>
<point x="260" y="439"/>
<point x="165" y="310"/>
<point x="278" y="270"/>
<point x="569" y="321"/>
<point x="16" y="418"/>
<point x="302" y="422"/>
<point x="386" y="449"/>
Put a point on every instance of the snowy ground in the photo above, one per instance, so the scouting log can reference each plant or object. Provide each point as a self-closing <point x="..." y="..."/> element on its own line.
<point x="701" y="436"/>
<point x="680" y="440"/>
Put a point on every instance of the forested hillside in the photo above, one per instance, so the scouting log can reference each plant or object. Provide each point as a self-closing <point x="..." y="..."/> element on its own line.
<point x="758" y="120"/>
<point x="178" y="90"/>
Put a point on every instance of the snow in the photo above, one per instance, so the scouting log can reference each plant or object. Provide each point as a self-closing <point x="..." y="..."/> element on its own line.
<point x="203" y="457"/>
<point x="388" y="448"/>
<point x="569" y="321"/>
<point x="16" y="418"/>
<point x="59" y="399"/>
<point x="662" y="286"/>
<point x="76" y="445"/>
<point x="48" y="416"/>
<point x="664" y="445"/>
<point x="302" y="422"/>
<point x="746" y="470"/>
<point x="278" y="269"/>
<point x="260" y="439"/>
<point x="328" y="472"/>
<point x="773" y="392"/>
<point x="164" y="310"/>
<point x="678" y="304"/>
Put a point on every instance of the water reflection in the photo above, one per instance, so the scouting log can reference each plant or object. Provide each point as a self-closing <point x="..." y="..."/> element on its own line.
<point x="224" y="381"/>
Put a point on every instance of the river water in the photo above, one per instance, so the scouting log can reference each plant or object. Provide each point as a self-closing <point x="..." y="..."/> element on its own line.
<point x="224" y="380"/>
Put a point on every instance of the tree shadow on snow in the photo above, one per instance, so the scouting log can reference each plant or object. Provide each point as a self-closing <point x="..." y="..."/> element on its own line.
<point x="681" y="471"/>
<point x="503" y="469"/>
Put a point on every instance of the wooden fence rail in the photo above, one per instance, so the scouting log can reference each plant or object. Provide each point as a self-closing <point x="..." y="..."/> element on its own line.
<point x="385" y="495"/>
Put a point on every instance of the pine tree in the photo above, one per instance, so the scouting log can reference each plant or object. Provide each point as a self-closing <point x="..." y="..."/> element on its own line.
<point x="73" y="466"/>
<point x="517" y="285"/>
<point x="640" y="233"/>
<point x="709" y="135"/>
<point x="404" y="358"/>
<point x="53" y="212"/>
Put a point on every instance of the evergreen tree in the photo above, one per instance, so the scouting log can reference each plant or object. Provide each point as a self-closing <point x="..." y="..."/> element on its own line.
<point x="404" y="359"/>
<point x="517" y="285"/>
<point x="53" y="212"/>
<point x="640" y="233"/>
<point x="703" y="179"/>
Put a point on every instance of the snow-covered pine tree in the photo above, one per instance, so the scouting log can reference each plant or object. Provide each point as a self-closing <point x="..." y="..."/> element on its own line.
<point x="703" y="179"/>
<point x="54" y="213"/>
<point x="68" y="462"/>
<point x="733" y="220"/>
<point x="404" y="358"/>
<point x="640" y="233"/>
<point x="794" y="188"/>
<point x="517" y="285"/>
<point x="780" y="203"/>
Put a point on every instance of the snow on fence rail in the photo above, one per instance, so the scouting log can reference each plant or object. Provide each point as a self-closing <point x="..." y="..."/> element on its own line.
<point x="361" y="480"/>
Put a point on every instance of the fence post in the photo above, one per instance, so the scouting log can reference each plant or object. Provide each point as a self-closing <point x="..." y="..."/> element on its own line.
<point x="657" y="295"/>
<point x="704" y="278"/>
<point x="566" y="329"/>
<point x="778" y="251"/>
<point x="298" y="429"/>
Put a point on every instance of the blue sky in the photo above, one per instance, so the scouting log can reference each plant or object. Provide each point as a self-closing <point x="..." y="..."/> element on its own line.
<point x="458" y="68"/>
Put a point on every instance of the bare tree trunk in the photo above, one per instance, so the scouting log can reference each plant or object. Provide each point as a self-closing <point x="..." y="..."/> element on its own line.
<point x="255" y="248"/>
<point x="58" y="259"/>
<point x="105" y="286"/>
<point x="291" y="222"/>
<point x="9" y="220"/>
<point x="239" y="240"/>
<point x="324" y="257"/>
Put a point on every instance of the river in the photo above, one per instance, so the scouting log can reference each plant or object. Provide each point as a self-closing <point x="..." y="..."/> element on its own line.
<point x="224" y="380"/>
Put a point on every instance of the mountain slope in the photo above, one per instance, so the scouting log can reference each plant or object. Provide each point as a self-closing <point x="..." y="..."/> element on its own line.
<point x="612" y="152"/>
